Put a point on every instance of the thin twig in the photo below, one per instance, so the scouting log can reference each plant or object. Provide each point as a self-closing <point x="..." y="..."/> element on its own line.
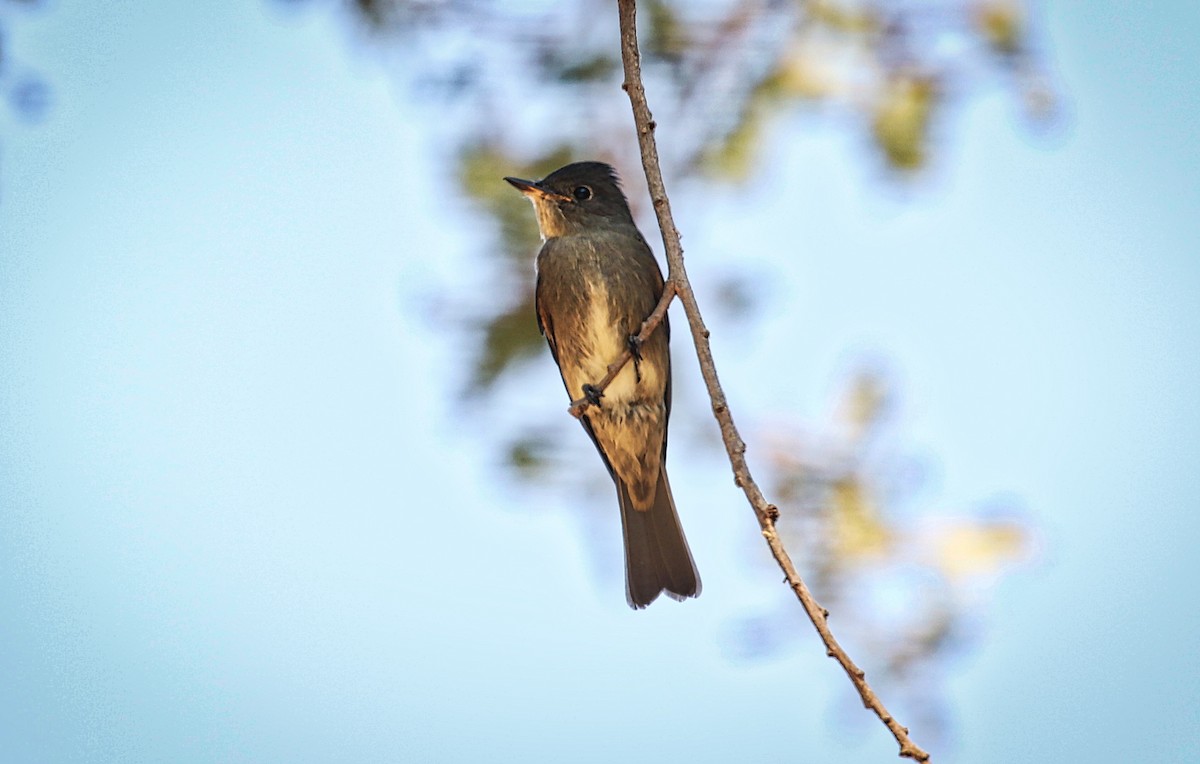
<point x="765" y="512"/>
<point x="651" y="323"/>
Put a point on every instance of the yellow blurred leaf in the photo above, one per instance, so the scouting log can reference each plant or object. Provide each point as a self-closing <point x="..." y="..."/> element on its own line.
<point x="901" y="123"/>
<point x="841" y="17"/>
<point x="1002" y="24"/>
<point x="978" y="548"/>
<point x="733" y="158"/>
<point x="806" y="74"/>
<point x="857" y="529"/>
<point x="863" y="404"/>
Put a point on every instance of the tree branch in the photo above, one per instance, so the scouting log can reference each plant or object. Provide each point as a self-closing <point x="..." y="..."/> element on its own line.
<point x="765" y="512"/>
<point x="651" y="323"/>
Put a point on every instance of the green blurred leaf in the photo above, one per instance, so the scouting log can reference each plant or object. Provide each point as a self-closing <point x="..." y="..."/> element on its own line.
<point x="481" y="172"/>
<point x="581" y="70"/>
<point x="529" y="454"/>
<point x="511" y="334"/>
<point x="735" y="156"/>
<point x="665" y="38"/>
<point x="507" y="338"/>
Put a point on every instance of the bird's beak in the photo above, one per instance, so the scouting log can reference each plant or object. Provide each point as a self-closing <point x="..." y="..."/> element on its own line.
<point x="534" y="190"/>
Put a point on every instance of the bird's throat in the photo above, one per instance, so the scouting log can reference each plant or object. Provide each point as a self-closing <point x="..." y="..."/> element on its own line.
<point x="550" y="219"/>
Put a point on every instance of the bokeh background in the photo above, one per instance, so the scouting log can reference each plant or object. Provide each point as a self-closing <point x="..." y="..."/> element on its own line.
<point x="285" y="474"/>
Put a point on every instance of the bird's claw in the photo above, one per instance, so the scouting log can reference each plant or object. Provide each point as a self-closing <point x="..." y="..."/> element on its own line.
<point x="635" y="352"/>
<point x="592" y="394"/>
<point x="635" y="347"/>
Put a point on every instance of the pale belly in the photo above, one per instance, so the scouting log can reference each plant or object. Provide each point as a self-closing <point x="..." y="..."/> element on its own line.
<point x="605" y="340"/>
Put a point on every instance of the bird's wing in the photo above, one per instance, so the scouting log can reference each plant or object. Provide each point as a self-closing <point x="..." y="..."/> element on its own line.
<point x="544" y="322"/>
<point x="665" y="328"/>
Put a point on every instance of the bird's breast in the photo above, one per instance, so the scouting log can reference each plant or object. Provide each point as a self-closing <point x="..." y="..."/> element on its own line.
<point x="605" y="335"/>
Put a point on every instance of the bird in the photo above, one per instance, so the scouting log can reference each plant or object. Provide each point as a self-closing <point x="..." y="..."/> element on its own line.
<point x="597" y="282"/>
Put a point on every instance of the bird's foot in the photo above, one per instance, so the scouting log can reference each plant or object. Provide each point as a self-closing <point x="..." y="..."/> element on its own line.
<point x="635" y="351"/>
<point x="592" y="394"/>
<point x="635" y="347"/>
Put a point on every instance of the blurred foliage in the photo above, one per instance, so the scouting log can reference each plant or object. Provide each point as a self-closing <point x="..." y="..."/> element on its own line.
<point x="512" y="334"/>
<point x="508" y="76"/>
<point x="526" y="87"/>
<point x="1002" y="25"/>
<point x="901" y="120"/>
<point x="522" y="88"/>
<point x="905" y="586"/>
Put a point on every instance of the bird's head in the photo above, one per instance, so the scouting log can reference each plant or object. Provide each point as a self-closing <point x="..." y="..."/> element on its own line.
<point x="576" y="197"/>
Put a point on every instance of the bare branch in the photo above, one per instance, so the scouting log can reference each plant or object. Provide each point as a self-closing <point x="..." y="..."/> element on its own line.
<point x="651" y="323"/>
<point x="765" y="512"/>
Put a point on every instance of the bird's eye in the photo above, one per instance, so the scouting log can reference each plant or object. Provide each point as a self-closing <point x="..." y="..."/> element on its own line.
<point x="582" y="193"/>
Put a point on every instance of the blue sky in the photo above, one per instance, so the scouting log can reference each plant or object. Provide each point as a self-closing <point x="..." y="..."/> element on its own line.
<point x="242" y="520"/>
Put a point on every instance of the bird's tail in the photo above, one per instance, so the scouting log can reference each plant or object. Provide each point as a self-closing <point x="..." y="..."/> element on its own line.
<point x="657" y="557"/>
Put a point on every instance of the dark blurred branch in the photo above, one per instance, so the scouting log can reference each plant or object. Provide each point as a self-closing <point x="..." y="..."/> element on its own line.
<point x="651" y="323"/>
<point x="734" y="445"/>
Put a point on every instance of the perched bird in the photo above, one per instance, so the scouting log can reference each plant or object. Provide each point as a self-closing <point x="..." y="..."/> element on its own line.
<point x="597" y="281"/>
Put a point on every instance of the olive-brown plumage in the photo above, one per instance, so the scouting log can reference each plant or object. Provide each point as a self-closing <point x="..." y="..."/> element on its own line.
<point x="597" y="282"/>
